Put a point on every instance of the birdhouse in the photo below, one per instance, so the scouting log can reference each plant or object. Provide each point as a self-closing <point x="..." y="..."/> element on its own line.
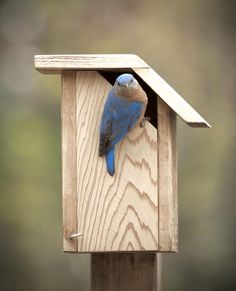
<point x="136" y="209"/>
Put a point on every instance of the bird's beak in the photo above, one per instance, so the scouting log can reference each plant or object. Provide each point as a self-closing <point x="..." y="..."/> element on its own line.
<point x="126" y="85"/>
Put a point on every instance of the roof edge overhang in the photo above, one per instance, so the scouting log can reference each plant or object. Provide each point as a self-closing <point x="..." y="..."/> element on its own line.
<point x="55" y="64"/>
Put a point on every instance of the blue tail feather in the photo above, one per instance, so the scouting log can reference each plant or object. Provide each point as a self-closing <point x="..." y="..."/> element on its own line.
<point x="110" y="159"/>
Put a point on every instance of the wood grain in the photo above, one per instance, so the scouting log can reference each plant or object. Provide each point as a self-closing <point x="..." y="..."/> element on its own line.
<point x="126" y="272"/>
<point x="69" y="152"/>
<point x="55" y="63"/>
<point x="118" y="213"/>
<point x="171" y="98"/>
<point x="167" y="186"/>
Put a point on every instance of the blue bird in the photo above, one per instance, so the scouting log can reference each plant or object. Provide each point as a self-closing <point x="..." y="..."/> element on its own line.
<point x="124" y="108"/>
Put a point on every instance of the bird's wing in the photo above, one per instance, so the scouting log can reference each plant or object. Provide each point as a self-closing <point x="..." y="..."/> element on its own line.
<point x="118" y="118"/>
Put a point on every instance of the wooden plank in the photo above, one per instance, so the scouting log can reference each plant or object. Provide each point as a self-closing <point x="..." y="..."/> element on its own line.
<point x="112" y="211"/>
<point x="124" y="271"/>
<point x="69" y="173"/>
<point x="171" y="98"/>
<point x="167" y="187"/>
<point x="56" y="63"/>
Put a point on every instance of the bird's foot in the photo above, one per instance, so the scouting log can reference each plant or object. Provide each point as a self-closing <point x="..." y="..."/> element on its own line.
<point x="142" y="123"/>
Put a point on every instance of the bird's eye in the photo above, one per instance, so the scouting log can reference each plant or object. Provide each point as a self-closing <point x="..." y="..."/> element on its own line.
<point x="118" y="83"/>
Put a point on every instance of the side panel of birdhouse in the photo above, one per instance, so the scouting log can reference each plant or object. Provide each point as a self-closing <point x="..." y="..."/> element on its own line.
<point x="69" y="164"/>
<point x="167" y="183"/>
<point x="118" y="213"/>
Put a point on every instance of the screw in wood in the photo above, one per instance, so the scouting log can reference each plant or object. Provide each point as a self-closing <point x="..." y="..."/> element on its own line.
<point x="76" y="235"/>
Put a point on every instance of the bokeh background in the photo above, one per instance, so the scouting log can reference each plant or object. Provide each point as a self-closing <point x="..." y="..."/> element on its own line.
<point x="192" y="45"/>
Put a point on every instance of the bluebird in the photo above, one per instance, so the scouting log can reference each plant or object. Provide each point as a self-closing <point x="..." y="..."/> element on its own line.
<point x="124" y="108"/>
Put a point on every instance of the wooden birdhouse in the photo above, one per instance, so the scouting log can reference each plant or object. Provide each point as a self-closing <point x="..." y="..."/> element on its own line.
<point x="136" y="209"/>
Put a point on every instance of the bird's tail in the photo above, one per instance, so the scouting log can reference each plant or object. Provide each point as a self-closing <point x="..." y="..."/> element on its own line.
<point x="110" y="159"/>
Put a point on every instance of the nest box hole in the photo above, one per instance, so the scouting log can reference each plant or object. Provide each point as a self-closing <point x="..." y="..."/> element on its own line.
<point x="151" y="110"/>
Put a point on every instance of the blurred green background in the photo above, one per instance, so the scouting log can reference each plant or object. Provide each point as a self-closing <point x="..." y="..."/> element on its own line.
<point x="192" y="45"/>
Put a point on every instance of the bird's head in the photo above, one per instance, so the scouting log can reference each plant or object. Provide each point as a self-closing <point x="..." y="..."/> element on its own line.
<point x="127" y="86"/>
<point x="126" y="81"/>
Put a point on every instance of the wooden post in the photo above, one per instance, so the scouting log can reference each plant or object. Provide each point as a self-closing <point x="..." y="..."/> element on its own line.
<point x="125" y="272"/>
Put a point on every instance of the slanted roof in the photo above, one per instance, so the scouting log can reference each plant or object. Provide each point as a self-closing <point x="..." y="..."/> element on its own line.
<point x="54" y="64"/>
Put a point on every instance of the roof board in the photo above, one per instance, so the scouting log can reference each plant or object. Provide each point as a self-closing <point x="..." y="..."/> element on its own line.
<point x="56" y="63"/>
